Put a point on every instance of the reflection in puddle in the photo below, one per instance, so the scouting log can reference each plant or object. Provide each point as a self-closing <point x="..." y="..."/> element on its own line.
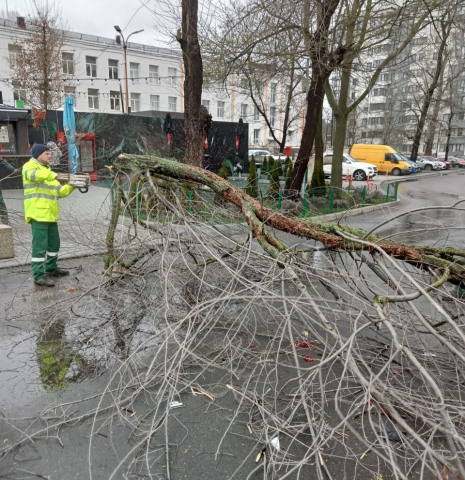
<point x="58" y="364"/>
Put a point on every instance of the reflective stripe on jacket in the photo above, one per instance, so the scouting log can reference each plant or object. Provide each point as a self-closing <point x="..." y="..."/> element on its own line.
<point x="41" y="192"/>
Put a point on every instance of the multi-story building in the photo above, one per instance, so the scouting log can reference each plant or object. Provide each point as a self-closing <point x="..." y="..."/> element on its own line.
<point x="392" y="110"/>
<point x="93" y="74"/>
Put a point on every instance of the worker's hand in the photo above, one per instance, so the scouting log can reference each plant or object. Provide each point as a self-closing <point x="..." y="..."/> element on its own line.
<point x="77" y="184"/>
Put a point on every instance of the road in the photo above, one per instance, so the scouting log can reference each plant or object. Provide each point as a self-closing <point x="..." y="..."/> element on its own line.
<point x="443" y="227"/>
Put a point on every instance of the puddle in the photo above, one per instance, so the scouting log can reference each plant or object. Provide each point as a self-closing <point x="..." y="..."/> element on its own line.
<point x="58" y="363"/>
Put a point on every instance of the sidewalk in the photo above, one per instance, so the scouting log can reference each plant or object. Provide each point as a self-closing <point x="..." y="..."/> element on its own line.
<point x="83" y="224"/>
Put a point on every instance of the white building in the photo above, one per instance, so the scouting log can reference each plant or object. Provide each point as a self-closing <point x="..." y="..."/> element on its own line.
<point x="93" y="69"/>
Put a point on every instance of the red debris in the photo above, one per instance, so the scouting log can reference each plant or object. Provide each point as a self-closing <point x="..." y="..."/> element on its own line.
<point x="252" y="345"/>
<point x="304" y="345"/>
<point x="307" y="358"/>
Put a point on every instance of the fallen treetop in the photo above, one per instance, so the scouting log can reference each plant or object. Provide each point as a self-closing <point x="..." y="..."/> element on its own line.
<point x="259" y="216"/>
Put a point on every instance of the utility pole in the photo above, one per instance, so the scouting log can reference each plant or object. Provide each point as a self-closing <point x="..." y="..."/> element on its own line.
<point x="125" y="56"/>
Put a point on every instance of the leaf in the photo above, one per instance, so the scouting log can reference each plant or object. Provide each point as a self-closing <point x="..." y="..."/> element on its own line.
<point x="71" y="289"/>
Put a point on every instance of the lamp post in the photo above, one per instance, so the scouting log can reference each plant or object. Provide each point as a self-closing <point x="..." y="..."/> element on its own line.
<point x="125" y="48"/>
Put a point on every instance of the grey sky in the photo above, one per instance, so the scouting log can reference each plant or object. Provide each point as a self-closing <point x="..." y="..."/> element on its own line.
<point x="97" y="17"/>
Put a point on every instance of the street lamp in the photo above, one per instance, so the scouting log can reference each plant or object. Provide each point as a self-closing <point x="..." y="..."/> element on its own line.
<point x="125" y="48"/>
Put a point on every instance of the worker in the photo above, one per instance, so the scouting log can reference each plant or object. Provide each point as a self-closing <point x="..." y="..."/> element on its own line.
<point x="41" y="193"/>
<point x="6" y="170"/>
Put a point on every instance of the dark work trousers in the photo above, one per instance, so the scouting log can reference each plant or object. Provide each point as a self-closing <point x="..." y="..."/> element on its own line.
<point x="45" y="247"/>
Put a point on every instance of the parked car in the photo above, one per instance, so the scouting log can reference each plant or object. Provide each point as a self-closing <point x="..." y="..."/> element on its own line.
<point x="415" y="166"/>
<point x="456" y="162"/>
<point x="265" y="153"/>
<point x="384" y="157"/>
<point x="428" y="165"/>
<point x="444" y="165"/>
<point x="357" y="170"/>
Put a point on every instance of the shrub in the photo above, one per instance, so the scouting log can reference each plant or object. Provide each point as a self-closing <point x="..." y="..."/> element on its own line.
<point x="252" y="184"/>
<point x="275" y="187"/>
<point x="224" y="172"/>
<point x="289" y="171"/>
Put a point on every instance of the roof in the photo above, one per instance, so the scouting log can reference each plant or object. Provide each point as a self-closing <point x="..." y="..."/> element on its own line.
<point x="7" y="112"/>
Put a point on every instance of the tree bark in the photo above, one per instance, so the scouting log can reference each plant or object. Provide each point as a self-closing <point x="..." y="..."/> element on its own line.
<point x="338" y="150"/>
<point x="314" y="107"/>
<point x="194" y="118"/>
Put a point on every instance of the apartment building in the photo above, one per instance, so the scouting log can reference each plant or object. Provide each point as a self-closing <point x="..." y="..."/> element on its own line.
<point x="94" y="75"/>
<point x="391" y="112"/>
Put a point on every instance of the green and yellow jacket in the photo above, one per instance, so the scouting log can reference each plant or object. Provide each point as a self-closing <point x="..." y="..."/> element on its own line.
<point x="41" y="192"/>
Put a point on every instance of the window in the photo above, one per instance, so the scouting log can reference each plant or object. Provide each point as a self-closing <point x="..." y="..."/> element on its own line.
<point x="92" y="97"/>
<point x="135" y="102"/>
<point x="172" y="104"/>
<point x="115" y="101"/>
<point x="67" y="63"/>
<point x="273" y="92"/>
<point x="221" y="86"/>
<point x="445" y="117"/>
<point x="272" y="116"/>
<point x="172" y="77"/>
<point x="256" y="136"/>
<point x="376" y="121"/>
<point x="19" y="93"/>
<point x="91" y="66"/>
<point x="244" y="84"/>
<point x="256" y="114"/>
<point x="377" y="63"/>
<point x="384" y="77"/>
<point x="206" y="104"/>
<point x="154" y="102"/>
<point x="113" y="68"/>
<point x="71" y="92"/>
<point x="377" y="106"/>
<point x="134" y="72"/>
<point x="244" y="108"/>
<point x="220" y="109"/>
<point x="154" y="78"/>
<point x="379" y="92"/>
<point x="463" y="100"/>
<point x="13" y="51"/>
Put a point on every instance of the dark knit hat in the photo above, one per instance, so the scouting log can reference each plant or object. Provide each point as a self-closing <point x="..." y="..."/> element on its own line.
<point x="37" y="150"/>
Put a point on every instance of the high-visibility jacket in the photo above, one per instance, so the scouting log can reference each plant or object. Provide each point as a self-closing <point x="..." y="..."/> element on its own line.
<point x="41" y="192"/>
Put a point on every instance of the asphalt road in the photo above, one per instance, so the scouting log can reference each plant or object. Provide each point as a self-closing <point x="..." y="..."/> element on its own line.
<point x="441" y="226"/>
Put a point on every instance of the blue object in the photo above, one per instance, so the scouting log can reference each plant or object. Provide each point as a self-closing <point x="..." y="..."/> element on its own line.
<point x="415" y="169"/>
<point x="69" y="126"/>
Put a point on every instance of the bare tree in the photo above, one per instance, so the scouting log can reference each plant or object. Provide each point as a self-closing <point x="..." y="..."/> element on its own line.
<point x="37" y="64"/>
<point x="194" y="114"/>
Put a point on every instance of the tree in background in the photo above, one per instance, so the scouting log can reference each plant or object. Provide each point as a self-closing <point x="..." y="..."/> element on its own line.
<point x="265" y="165"/>
<point x="37" y="64"/>
<point x="252" y="182"/>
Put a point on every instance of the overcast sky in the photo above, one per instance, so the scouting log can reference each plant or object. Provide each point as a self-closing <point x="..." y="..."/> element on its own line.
<point x="97" y="17"/>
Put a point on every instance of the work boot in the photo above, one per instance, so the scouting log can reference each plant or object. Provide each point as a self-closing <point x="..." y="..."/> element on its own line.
<point x="59" y="272"/>
<point x="44" y="282"/>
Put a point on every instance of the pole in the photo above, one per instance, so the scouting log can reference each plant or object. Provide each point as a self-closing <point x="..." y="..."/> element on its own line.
<point x="125" y="47"/>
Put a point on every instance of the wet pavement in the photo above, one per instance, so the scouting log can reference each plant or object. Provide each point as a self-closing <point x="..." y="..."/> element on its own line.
<point x="47" y="357"/>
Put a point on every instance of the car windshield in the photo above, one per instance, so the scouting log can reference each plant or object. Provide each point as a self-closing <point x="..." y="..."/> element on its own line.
<point x="348" y="159"/>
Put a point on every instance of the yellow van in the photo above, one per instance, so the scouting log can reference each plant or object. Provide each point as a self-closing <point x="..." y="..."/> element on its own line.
<point x="383" y="156"/>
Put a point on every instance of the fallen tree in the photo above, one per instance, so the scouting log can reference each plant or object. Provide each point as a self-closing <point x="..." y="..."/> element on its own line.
<point x="259" y="217"/>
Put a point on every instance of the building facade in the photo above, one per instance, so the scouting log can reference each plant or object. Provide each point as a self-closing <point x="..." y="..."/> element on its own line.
<point x="94" y="75"/>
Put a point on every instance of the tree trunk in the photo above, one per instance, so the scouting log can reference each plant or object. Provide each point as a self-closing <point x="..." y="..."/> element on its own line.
<point x="314" y="107"/>
<point x="318" y="177"/>
<point x="449" y="130"/>
<point x="432" y="131"/>
<point x="338" y="150"/>
<point x="193" y="70"/>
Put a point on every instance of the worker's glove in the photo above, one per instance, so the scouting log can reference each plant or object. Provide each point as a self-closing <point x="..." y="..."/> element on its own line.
<point x="77" y="184"/>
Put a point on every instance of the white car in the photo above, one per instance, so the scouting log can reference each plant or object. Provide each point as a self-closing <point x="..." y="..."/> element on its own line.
<point x="265" y="153"/>
<point x="357" y="170"/>
<point x="426" y="164"/>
